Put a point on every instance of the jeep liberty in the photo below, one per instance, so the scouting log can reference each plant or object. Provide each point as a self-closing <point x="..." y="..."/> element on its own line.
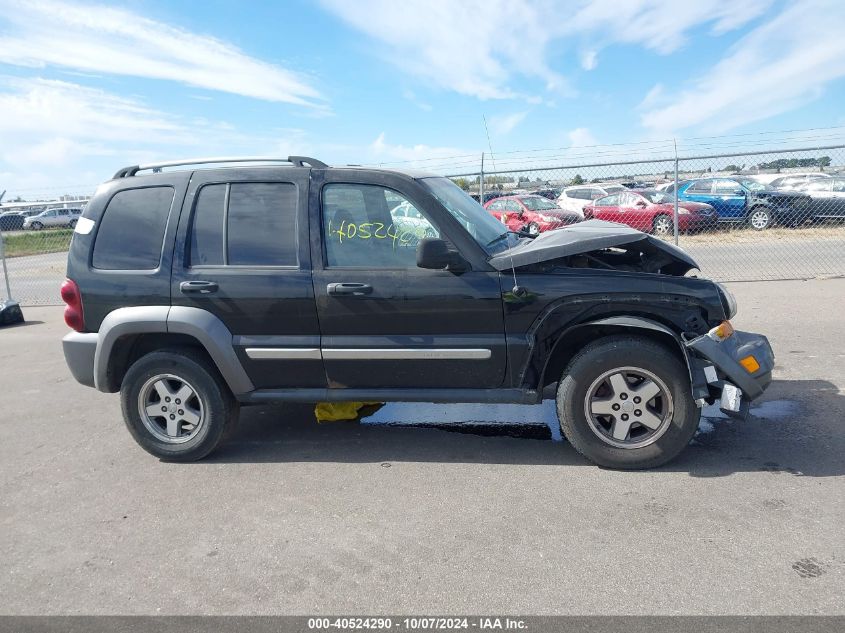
<point x="200" y="286"/>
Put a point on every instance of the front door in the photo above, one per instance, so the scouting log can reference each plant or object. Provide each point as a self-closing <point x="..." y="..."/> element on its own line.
<point x="386" y="323"/>
<point x="242" y="253"/>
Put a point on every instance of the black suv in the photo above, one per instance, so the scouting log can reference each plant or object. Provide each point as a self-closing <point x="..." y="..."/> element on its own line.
<point x="196" y="291"/>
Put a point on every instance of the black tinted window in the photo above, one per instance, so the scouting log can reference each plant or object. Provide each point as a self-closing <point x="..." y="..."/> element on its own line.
<point x="261" y="225"/>
<point x="207" y="227"/>
<point x="132" y="229"/>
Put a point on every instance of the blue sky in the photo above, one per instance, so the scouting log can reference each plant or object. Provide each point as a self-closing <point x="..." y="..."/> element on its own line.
<point x="86" y="88"/>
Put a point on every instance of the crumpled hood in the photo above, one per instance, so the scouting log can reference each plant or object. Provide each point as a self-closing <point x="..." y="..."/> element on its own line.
<point x="583" y="237"/>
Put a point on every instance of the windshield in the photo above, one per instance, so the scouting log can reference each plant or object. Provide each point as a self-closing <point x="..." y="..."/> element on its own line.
<point x="657" y="197"/>
<point x="538" y="204"/>
<point x="752" y="185"/>
<point x="492" y="235"/>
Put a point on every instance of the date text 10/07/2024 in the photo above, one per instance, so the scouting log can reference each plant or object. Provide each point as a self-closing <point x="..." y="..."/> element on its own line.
<point x="417" y="624"/>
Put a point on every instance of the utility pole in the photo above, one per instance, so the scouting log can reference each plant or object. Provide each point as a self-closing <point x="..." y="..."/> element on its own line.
<point x="675" y="221"/>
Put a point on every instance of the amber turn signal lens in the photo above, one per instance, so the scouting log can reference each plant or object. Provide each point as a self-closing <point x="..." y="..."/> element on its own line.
<point x="750" y="363"/>
<point x="722" y="331"/>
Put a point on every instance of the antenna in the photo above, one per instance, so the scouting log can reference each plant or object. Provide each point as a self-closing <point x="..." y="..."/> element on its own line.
<point x="489" y="144"/>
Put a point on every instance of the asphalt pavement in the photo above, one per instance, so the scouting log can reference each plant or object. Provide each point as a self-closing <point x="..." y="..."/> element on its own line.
<point x="292" y="517"/>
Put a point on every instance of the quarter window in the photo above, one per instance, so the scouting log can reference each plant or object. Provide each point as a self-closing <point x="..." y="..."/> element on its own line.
<point x="701" y="186"/>
<point x="362" y="227"/>
<point x="132" y="228"/>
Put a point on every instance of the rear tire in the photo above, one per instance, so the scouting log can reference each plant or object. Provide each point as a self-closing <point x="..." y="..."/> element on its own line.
<point x="533" y="229"/>
<point x="659" y="422"/>
<point x="174" y="428"/>
<point x="72" y="224"/>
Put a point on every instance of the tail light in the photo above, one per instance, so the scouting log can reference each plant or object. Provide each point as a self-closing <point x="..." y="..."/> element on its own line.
<point x="73" y="308"/>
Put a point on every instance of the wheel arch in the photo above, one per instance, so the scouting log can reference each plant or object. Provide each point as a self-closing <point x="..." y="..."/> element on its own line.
<point x="575" y="338"/>
<point x="127" y="333"/>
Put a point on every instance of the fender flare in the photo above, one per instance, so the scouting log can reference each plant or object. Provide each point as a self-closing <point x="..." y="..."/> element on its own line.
<point x="206" y="328"/>
<point x="641" y="323"/>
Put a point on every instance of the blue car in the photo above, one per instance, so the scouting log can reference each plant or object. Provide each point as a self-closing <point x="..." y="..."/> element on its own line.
<point x="748" y="201"/>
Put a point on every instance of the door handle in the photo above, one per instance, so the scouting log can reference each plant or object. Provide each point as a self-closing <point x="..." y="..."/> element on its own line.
<point x="353" y="289"/>
<point x="198" y="287"/>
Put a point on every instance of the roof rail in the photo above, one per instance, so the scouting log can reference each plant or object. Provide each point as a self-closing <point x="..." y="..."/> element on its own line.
<point x="297" y="161"/>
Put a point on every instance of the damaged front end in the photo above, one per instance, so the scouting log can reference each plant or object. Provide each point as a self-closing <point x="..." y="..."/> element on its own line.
<point x="726" y="366"/>
<point x="597" y="244"/>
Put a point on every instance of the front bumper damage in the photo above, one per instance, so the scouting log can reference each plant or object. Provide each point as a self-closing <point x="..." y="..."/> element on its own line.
<point x="734" y="370"/>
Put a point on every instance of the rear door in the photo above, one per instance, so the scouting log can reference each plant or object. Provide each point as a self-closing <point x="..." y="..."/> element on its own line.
<point x="242" y="254"/>
<point x="729" y="198"/>
<point x="386" y="323"/>
<point x="607" y="208"/>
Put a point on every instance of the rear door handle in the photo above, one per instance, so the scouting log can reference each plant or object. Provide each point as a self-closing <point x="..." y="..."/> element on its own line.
<point x="198" y="287"/>
<point x="353" y="289"/>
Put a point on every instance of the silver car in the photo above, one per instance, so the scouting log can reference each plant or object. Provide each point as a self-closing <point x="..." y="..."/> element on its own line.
<point x="53" y="217"/>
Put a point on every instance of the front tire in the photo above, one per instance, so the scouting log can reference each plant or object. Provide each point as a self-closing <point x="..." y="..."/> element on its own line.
<point x="176" y="405"/>
<point x="533" y="229"/>
<point x="759" y="218"/>
<point x="625" y="402"/>
<point x="36" y="226"/>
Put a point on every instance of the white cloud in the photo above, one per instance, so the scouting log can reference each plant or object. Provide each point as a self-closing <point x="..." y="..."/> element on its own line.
<point x="589" y="59"/>
<point x="777" y="67"/>
<point x="472" y="47"/>
<point x="100" y="39"/>
<point x="502" y="125"/>
<point x="481" y="48"/>
<point x="59" y="132"/>
<point x="420" y="156"/>
<point x="410" y="95"/>
<point x="582" y="137"/>
<point x="659" y="25"/>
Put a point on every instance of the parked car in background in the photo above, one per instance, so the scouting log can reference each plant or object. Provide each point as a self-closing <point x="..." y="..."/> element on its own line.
<point x="795" y="181"/>
<point x="827" y="198"/>
<point x="551" y="194"/>
<point x="577" y="197"/>
<point x="488" y="195"/>
<point x="746" y="200"/>
<point x="532" y="214"/>
<point x="53" y="217"/>
<point x="13" y="220"/>
<point x="651" y="211"/>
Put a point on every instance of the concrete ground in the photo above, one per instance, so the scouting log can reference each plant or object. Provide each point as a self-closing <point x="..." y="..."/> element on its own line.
<point x="295" y="518"/>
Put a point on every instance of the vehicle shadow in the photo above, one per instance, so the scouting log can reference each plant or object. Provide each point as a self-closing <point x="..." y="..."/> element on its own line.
<point x="794" y="431"/>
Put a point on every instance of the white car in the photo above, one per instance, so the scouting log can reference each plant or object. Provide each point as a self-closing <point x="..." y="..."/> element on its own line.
<point x="53" y="217"/>
<point x="577" y="197"/>
<point x="791" y="182"/>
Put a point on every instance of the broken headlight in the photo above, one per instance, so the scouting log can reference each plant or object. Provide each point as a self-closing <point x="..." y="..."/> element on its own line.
<point x="728" y="301"/>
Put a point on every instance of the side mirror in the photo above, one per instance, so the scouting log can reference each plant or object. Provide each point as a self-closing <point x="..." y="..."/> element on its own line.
<point x="739" y="192"/>
<point x="641" y="204"/>
<point x="434" y="254"/>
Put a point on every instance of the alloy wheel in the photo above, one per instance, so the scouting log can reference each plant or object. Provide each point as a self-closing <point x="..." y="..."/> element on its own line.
<point x="628" y="407"/>
<point x="170" y="408"/>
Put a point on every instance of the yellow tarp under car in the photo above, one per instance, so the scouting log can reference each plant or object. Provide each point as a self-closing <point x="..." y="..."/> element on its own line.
<point x="334" y="411"/>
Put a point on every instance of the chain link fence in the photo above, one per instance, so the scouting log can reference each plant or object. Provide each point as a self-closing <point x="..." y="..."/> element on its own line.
<point x="744" y="216"/>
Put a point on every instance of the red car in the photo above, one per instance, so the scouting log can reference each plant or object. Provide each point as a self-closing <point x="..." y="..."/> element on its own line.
<point x="651" y="211"/>
<point x="534" y="214"/>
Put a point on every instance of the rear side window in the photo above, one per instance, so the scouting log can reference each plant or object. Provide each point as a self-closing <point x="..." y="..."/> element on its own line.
<point x="259" y="220"/>
<point x="132" y="229"/>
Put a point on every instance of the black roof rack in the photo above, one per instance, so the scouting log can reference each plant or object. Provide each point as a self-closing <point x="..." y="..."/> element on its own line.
<point x="297" y="161"/>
